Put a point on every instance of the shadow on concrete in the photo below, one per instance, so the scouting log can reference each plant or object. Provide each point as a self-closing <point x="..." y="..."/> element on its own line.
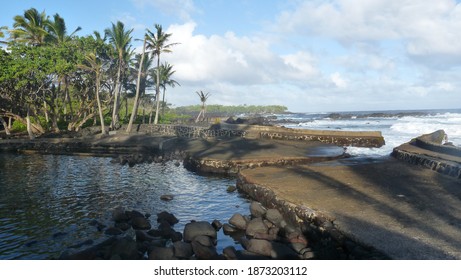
<point x="404" y="211"/>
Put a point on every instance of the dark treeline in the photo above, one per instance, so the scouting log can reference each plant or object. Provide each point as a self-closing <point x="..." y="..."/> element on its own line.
<point x="233" y="110"/>
<point x="52" y="80"/>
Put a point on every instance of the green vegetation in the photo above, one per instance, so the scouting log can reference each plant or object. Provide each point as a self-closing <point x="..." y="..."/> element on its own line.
<point x="51" y="80"/>
<point x="233" y="110"/>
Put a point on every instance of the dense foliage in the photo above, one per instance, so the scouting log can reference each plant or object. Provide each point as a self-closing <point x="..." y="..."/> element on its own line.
<point x="51" y="80"/>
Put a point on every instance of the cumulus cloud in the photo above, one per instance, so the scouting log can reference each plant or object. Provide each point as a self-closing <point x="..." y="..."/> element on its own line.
<point x="427" y="28"/>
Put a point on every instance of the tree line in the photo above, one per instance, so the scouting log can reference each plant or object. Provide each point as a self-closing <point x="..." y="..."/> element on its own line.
<point x="51" y="79"/>
<point x="233" y="110"/>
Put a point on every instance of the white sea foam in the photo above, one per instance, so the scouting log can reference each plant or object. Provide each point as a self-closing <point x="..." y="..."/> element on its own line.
<point x="396" y="129"/>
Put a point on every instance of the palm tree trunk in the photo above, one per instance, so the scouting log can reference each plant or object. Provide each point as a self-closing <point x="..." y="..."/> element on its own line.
<point x="138" y="89"/>
<point x="157" y="90"/>
<point x="5" y="125"/>
<point x="29" y="126"/>
<point x="163" y="102"/>
<point x="115" y="117"/>
<point x="98" y="99"/>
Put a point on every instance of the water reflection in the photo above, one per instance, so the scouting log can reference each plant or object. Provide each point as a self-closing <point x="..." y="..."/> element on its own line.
<point x="48" y="201"/>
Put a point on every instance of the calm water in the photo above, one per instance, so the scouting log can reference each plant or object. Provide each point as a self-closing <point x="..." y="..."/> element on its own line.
<point x="47" y="202"/>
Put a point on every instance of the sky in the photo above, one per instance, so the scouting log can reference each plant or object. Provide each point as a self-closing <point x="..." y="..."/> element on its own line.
<point x="311" y="56"/>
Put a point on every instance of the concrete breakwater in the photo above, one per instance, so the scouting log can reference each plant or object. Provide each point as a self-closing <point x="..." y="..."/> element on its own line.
<point x="429" y="151"/>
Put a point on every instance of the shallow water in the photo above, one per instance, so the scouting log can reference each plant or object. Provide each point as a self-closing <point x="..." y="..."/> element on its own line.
<point x="48" y="201"/>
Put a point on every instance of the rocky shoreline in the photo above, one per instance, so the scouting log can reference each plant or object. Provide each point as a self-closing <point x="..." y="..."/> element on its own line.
<point x="263" y="235"/>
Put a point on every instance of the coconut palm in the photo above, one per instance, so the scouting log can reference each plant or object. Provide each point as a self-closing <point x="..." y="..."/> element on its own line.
<point x="57" y="30"/>
<point x="157" y="43"/>
<point x="203" y="98"/>
<point x="2" y="34"/>
<point x="93" y="64"/>
<point x="166" y="71"/>
<point x="120" y="39"/>
<point x="30" y="28"/>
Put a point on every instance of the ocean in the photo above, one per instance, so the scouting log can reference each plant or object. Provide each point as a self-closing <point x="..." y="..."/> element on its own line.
<point x="397" y="127"/>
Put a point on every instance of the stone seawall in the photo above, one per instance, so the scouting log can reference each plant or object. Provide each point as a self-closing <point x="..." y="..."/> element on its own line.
<point x="427" y="151"/>
<point x="339" y="138"/>
<point x="314" y="224"/>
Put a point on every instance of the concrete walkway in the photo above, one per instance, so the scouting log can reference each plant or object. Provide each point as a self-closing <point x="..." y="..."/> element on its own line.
<point x="404" y="211"/>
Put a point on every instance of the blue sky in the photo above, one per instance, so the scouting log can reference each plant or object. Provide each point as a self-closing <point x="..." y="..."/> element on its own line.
<point x="312" y="56"/>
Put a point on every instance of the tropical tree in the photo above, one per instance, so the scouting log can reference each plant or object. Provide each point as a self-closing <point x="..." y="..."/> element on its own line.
<point x="57" y="30"/>
<point x="120" y="39"/>
<point x="2" y="34"/>
<point x="166" y="73"/>
<point x="203" y="98"/>
<point x="30" y="28"/>
<point x="138" y="87"/>
<point x="157" y="43"/>
<point x="94" y="64"/>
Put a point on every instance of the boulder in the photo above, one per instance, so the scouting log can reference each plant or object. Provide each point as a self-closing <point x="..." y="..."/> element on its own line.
<point x="229" y="229"/>
<point x="217" y="225"/>
<point x="238" y="221"/>
<point x="203" y="252"/>
<point x="119" y="215"/>
<point x="256" y="226"/>
<point x="260" y="247"/>
<point x="257" y="210"/>
<point x="113" y="231"/>
<point x="192" y="230"/>
<point x="204" y="240"/>
<point x="123" y="226"/>
<point x="283" y="252"/>
<point x="140" y="223"/>
<point x="166" y="197"/>
<point x="230" y="253"/>
<point x="126" y="248"/>
<point x="167" y="217"/>
<point x="275" y="217"/>
<point x="182" y="250"/>
<point x="161" y="253"/>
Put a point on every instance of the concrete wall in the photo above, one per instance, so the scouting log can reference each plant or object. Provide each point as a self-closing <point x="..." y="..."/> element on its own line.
<point x="340" y="138"/>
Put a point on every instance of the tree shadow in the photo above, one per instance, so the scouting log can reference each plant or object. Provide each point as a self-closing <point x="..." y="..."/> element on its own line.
<point x="402" y="203"/>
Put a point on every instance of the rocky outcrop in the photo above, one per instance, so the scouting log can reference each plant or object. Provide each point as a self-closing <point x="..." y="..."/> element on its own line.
<point x="429" y="151"/>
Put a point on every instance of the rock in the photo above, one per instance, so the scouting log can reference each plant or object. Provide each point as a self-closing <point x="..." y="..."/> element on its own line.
<point x="133" y="214"/>
<point x="204" y="240"/>
<point x="296" y="237"/>
<point x="229" y="229"/>
<point x="217" y="225"/>
<point x="119" y="215"/>
<point x="113" y="231"/>
<point x="283" y="252"/>
<point x="166" y="197"/>
<point x="261" y="247"/>
<point x="257" y="210"/>
<point x="230" y="253"/>
<point x="182" y="250"/>
<point x="123" y="226"/>
<point x="274" y="216"/>
<point x="192" y="230"/>
<point x="203" y="252"/>
<point x="142" y="235"/>
<point x="167" y="217"/>
<point x="256" y="226"/>
<point x="231" y="189"/>
<point x="246" y="255"/>
<point x="126" y="248"/>
<point x="161" y="253"/>
<point x="238" y="221"/>
<point x="140" y="223"/>
<point x="265" y="236"/>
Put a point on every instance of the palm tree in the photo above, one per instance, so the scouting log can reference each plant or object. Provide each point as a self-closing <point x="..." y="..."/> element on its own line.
<point x="30" y="28"/>
<point x="138" y="86"/>
<point x="166" y="71"/>
<point x="121" y="39"/>
<point x="203" y="98"/>
<point x="94" y="64"/>
<point x="57" y="30"/>
<point x="157" y="42"/>
<point x="2" y="35"/>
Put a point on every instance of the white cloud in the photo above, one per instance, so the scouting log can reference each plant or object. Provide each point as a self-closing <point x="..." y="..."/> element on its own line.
<point x="338" y="80"/>
<point x="425" y="27"/>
